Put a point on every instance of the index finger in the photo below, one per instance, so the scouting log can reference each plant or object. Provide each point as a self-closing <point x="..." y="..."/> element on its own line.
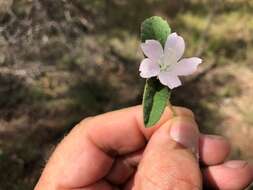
<point x="123" y="131"/>
<point x="87" y="153"/>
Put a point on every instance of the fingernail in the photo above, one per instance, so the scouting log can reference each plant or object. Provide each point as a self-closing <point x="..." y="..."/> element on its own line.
<point x="236" y="164"/>
<point x="186" y="134"/>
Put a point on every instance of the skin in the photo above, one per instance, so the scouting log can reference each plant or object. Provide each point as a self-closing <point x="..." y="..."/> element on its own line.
<point x="115" y="151"/>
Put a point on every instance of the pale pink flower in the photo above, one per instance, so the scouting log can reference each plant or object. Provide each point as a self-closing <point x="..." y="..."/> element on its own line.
<point x="166" y="63"/>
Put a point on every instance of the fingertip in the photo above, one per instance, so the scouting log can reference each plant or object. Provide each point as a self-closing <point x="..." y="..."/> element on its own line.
<point x="83" y="123"/>
<point x="213" y="149"/>
<point x="231" y="175"/>
<point x="167" y="115"/>
<point x="185" y="132"/>
<point x="182" y="111"/>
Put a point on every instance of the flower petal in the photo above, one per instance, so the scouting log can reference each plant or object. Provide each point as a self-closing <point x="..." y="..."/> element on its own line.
<point x="149" y="68"/>
<point x="175" y="43"/>
<point x="152" y="49"/>
<point x="186" y="66"/>
<point x="169" y="79"/>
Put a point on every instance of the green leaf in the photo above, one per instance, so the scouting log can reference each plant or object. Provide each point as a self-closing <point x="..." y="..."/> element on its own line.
<point x="156" y="96"/>
<point x="155" y="100"/>
<point x="155" y="28"/>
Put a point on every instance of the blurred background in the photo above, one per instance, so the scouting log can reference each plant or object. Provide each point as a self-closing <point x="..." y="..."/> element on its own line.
<point x="61" y="61"/>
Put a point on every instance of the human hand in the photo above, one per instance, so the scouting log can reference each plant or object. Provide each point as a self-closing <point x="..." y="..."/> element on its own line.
<point x="115" y="151"/>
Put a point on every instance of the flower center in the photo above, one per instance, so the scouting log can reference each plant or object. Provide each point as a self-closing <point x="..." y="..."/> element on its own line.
<point x="167" y="60"/>
<point x="163" y="65"/>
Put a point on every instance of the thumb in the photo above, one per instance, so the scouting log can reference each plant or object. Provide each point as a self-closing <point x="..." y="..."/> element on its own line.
<point x="169" y="161"/>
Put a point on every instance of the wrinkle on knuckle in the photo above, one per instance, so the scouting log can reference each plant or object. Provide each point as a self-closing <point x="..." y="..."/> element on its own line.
<point x="153" y="182"/>
<point x="182" y="181"/>
<point x="171" y="182"/>
<point x="184" y="184"/>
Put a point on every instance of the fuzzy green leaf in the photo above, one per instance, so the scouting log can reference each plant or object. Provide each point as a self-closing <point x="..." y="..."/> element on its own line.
<point x="156" y="96"/>
<point x="155" y="28"/>
<point x="155" y="100"/>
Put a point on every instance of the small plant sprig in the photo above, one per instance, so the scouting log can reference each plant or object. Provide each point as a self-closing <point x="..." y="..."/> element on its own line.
<point x="162" y="66"/>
